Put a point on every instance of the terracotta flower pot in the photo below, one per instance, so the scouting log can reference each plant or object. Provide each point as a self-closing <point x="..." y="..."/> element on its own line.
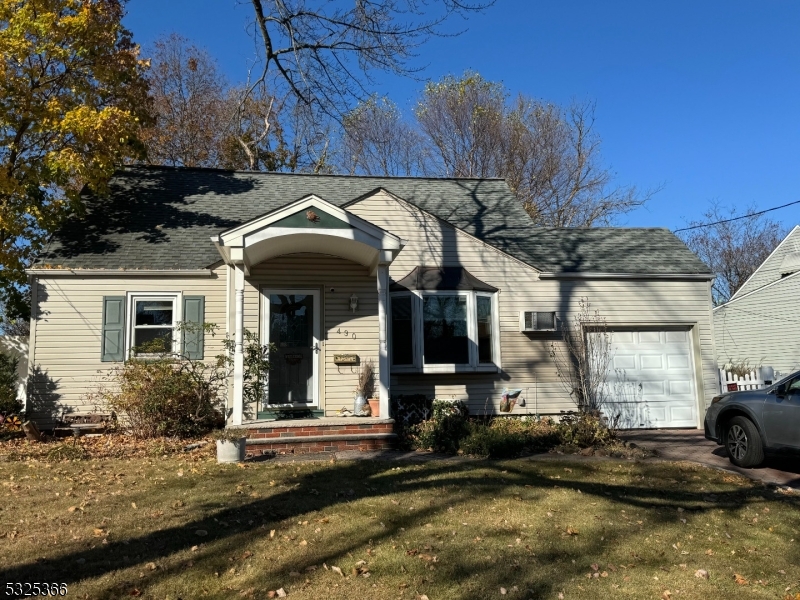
<point x="374" y="406"/>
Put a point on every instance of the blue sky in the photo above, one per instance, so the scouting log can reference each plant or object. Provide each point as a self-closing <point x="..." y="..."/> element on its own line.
<point x="700" y="97"/>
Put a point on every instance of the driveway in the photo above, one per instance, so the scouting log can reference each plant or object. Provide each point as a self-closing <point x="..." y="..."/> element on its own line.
<point x="690" y="444"/>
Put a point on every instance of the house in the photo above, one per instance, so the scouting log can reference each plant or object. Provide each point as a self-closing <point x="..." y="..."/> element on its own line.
<point x="444" y="283"/>
<point x="760" y="324"/>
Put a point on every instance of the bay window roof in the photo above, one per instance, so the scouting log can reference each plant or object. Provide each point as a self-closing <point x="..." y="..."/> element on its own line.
<point x="441" y="278"/>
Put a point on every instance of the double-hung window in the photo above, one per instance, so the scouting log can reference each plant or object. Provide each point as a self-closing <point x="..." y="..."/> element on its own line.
<point x="443" y="320"/>
<point x="153" y="321"/>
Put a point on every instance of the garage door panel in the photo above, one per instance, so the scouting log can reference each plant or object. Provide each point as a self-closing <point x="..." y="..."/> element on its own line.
<point x="646" y="337"/>
<point x="623" y="337"/>
<point x="676" y="336"/>
<point x="678" y="361"/>
<point x="652" y="361"/>
<point x="653" y="388"/>
<point x="681" y="413"/>
<point x="680" y="388"/>
<point x="624" y="361"/>
<point x="650" y="380"/>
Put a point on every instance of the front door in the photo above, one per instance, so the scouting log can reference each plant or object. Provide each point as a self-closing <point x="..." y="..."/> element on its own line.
<point x="292" y="328"/>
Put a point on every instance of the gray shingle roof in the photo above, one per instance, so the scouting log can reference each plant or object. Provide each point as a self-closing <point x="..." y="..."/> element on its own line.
<point x="162" y="218"/>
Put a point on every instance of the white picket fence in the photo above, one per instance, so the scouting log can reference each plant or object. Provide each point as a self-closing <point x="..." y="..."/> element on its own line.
<point x="754" y="380"/>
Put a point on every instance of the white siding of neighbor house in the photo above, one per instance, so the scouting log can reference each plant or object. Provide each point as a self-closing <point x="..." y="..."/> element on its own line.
<point x="17" y="347"/>
<point x="770" y="269"/>
<point x="337" y="279"/>
<point x="525" y="357"/>
<point x="67" y="325"/>
<point x="762" y="328"/>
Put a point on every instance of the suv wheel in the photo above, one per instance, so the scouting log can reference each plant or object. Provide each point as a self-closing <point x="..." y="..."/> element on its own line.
<point x="743" y="443"/>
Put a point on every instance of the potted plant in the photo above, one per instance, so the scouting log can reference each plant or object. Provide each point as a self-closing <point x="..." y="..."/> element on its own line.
<point x="364" y="389"/>
<point x="231" y="445"/>
<point x="374" y="406"/>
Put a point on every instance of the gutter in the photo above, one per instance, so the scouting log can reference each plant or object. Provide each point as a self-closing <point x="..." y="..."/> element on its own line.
<point x="664" y="276"/>
<point x="120" y="272"/>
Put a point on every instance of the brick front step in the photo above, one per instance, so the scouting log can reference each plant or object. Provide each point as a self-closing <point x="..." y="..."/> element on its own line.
<point x="320" y="443"/>
<point x="303" y="436"/>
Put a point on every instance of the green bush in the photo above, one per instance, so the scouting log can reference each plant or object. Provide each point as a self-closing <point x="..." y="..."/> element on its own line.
<point x="584" y="430"/>
<point x="444" y="431"/>
<point x="9" y="404"/>
<point x="509" y="437"/>
<point x="450" y="430"/>
<point x="163" y="398"/>
<point x="488" y="442"/>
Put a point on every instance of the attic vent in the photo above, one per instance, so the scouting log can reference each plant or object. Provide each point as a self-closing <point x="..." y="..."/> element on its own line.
<point x="790" y="264"/>
<point x="537" y="321"/>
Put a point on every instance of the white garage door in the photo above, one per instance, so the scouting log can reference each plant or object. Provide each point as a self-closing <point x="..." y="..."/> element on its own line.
<point x="650" y="381"/>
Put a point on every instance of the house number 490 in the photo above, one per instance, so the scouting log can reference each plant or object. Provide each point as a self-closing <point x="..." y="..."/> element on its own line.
<point x="346" y="333"/>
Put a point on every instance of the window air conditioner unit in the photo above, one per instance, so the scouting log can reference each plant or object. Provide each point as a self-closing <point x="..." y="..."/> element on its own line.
<point x="530" y="320"/>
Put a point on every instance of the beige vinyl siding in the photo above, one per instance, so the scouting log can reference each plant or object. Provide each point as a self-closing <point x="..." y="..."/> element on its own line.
<point x="322" y="272"/>
<point x="525" y="357"/>
<point x="770" y="269"/>
<point x="67" y="327"/>
<point x="763" y="328"/>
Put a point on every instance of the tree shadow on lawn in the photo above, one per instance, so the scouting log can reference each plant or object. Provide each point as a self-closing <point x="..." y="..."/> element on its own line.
<point x="375" y="480"/>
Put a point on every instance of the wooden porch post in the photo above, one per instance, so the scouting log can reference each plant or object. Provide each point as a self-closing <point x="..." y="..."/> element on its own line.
<point x="238" y="354"/>
<point x="383" y="350"/>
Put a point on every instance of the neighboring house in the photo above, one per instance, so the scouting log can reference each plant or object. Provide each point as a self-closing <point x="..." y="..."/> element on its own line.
<point x="434" y="279"/>
<point x="760" y="324"/>
<point x="17" y="347"/>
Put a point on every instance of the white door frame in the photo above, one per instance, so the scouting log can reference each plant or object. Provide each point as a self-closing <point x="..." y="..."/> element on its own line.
<point x="316" y="340"/>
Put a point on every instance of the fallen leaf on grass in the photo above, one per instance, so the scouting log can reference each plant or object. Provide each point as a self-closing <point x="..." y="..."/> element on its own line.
<point x="151" y="566"/>
<point x="571" y="531"/>
<point x="701" y="574"/>
<point x="739" y="579"/>
<point x="429" y="558"/>
<point x="666" y="595"/>
<point x="337" y="570"/>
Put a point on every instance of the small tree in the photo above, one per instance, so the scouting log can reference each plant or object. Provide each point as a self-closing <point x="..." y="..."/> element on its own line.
<point x="583" y="358"/>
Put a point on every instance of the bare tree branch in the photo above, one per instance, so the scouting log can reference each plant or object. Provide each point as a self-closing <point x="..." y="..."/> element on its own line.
<point x="733" y="250"/>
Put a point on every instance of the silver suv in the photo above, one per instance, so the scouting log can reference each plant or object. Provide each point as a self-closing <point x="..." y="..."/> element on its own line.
<point x="753" y="422"/>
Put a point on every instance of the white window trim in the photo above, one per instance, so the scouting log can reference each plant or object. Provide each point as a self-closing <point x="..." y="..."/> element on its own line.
<point x="418" y="334"/>
<point x="177" y="315"/>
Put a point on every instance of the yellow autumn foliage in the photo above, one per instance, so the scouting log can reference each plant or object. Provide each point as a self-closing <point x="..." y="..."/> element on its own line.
<point x="72" y="98"/>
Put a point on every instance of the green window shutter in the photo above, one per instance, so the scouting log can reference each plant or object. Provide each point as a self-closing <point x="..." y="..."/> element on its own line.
<point x="113" y="340"/>
<point x="193" y="337"/>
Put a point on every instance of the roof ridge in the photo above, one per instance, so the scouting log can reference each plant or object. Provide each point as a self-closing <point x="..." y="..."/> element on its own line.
<point x="334" y="175"/>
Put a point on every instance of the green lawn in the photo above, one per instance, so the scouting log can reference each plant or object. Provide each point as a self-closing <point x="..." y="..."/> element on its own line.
<point x="183" y="527"/>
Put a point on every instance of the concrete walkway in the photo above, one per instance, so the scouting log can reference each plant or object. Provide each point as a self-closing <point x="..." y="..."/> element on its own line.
<point x="691" y="445"/>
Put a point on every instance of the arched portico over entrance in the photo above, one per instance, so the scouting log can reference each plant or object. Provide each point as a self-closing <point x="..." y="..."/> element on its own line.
<point x="309" y="225"/>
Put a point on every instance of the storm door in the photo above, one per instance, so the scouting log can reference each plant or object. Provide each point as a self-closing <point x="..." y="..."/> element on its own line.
<point x="292" y="328"/>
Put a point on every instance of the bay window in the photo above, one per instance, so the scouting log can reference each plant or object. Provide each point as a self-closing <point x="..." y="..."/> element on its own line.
<point x="443" y="320"/>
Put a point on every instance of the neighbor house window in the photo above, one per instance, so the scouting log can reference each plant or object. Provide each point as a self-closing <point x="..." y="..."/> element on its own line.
<point x="437" y="329"/>
<point x="153" y="321"/>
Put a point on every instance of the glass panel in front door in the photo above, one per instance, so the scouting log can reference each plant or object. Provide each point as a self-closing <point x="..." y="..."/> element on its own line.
<point x="291" y="331"/>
